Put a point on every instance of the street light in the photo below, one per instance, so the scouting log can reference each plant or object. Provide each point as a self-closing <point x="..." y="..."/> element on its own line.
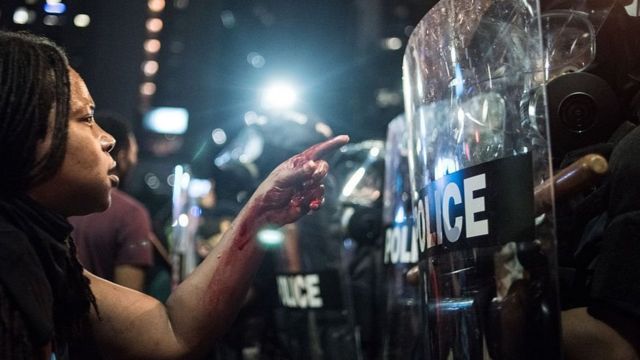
<point x="279" y="96"/>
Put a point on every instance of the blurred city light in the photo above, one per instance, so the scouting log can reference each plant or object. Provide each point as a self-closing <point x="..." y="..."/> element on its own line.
<point x="152" y="180"/>
<point x="219" y="136"/>
<point x="353" y="181"/>
<point x="152" y="46"/>
<point x="21" y="16"/>
<point x="156" y="5"/>
<point x="270" y="236"/>
<point x="150" y="67"/>
<point x="55" y="8"/>
<point x="183" y="220"/>
<point x="167" y="120"/>
<point x="148" y="88"/>
<point x="392" y="43"/>
<point x="279" y="95"/>
<point x="324" y="129"/>
<point x="81" y="20"/>
<point x="154" y="25"/>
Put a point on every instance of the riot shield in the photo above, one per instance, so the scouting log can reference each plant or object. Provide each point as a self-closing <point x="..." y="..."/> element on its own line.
<point x="313" y="316"/>
<point x="476" y="155"/>
<point x="344" y="269"/>
<point x="402" y="321"/>
<point x="359" y="169"/>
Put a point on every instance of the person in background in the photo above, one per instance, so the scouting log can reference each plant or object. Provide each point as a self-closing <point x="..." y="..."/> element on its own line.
<point x="117" y="244"/>
<point x="56" y="164"/>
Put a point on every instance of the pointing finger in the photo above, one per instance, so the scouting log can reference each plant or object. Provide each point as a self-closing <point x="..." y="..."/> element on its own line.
<point x="320" y="150"/>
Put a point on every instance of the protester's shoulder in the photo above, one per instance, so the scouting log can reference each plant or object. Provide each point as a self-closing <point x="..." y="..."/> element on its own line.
<point x="127" y="204"/>
<point x="126" y="200"/>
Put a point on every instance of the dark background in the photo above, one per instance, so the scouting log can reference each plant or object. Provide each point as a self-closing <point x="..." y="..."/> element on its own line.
<point x="331" y="49"/>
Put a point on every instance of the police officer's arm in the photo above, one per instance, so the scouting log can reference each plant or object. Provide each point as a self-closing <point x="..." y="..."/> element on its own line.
<point x="137" y="326"/>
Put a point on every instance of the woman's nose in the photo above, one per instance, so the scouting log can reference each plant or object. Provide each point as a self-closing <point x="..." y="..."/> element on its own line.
<point x="107" y="142"/>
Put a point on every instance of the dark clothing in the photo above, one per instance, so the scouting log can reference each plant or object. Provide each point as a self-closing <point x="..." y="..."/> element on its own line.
<point x="599" y="242"/>
<point x="118" y="236"/>
<point x="45" y="299"/>
<point x="616" y="277"/>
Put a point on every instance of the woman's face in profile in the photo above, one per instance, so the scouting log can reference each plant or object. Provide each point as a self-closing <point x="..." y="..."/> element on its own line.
<point x="83" y="183"/>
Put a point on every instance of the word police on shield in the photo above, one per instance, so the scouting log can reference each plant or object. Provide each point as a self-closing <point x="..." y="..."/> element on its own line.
<point x="484" y="205"/>
<point x="310" y="291"/>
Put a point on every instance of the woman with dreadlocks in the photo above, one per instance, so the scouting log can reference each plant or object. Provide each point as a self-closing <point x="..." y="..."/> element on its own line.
<point x="56" y="164"/>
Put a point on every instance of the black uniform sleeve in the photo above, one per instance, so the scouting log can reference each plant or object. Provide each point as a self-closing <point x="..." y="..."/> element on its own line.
<point x="616" y="277"/>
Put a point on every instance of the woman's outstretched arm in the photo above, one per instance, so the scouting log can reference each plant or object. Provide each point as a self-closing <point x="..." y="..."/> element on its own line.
<point x="201" y="309"/>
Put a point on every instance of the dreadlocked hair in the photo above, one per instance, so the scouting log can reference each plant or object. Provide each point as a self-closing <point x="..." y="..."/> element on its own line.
<point x="34" y="87"/>
<point x="72" y="322"/>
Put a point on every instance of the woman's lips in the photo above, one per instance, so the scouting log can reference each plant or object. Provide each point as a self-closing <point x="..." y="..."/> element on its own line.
<point x="115" y="180"/>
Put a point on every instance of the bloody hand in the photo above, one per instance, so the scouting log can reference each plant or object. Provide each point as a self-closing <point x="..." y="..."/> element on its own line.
<point x="295" y="187"/>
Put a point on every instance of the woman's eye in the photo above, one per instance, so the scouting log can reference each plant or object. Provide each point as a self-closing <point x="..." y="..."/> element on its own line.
<point x="89" y="119"/>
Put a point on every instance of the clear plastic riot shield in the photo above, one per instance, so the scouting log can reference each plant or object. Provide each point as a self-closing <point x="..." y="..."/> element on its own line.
<point x="314" y="316"/>
<point x="477" y="152"/>
<point x="359" y="172"/>
<point x="402" y="320"/>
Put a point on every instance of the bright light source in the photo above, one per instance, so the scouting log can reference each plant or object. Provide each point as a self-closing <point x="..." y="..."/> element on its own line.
<point x="167" y="120"/>
<point x="353" y="182"/>
<point x="53" y="2"/>
<point x="21" y="16"/>
<point x="392" y="43"/>
<point x="148" y="88"/>
<point x="150" y="67"/>
<point x="156" y="5"/>
<point x="197" y="189"/>
<point x="55" y="8"/>
<point x="154" y="25"/>
<point x="270" y="237"/>
<point x="183" y="220"/>
<point x="279" y="96"/>
<point x="152" y="46"/>
<point x="219" y="136"/>
<point x="81" y="20"/>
